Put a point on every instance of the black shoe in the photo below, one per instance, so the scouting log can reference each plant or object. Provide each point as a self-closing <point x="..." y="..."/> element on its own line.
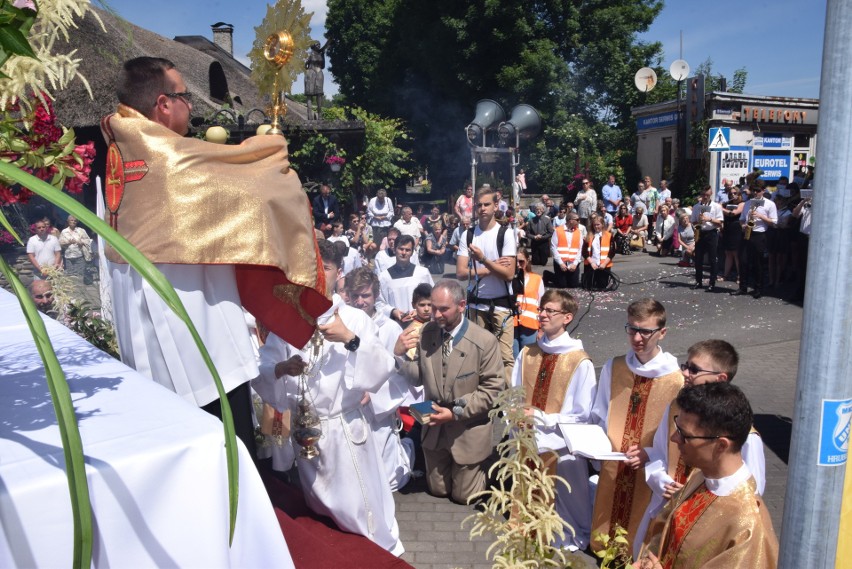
<point x="696" y="286"/>
<point x="756" y="294"/>
<point x="711" y="288"/>
<point x="738" y="292"/>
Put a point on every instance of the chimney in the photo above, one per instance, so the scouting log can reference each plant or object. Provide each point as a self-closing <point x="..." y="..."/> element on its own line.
<point x="223" y="36"/>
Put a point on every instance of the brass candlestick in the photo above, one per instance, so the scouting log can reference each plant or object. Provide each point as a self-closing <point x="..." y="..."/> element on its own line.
<point x="278" y="50"/>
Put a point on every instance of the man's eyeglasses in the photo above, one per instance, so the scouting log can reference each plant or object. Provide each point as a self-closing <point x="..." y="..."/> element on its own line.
<point x="695" y="370"/>
<point x="686" y="437"/>
<point x="47" y="295"/>
<point x="550" y="311"/>
<point x="644" y="332"/>
<point x="186" y="96"/>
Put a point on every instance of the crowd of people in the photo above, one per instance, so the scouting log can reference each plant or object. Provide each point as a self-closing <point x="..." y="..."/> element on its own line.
<point x="705" y="450"/>
<point x="392" y="337"/>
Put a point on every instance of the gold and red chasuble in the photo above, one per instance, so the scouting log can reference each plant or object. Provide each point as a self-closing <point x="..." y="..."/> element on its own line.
<point x="700" y="529"/>
<point x="682" y="522"/>
<point x="186" y="201"/>
<point x="636" y="408"/>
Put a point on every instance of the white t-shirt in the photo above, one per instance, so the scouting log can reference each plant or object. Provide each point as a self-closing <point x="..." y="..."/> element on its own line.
<point x="490" y="286"/>
<point x="44" y="251"/>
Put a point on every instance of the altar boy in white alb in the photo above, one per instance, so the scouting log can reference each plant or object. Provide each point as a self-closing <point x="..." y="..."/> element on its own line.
<point x="559" y="380"/>
<point x="398" y="281"/>
<point x="346" y="481"/>
<point x="362" y="290"/>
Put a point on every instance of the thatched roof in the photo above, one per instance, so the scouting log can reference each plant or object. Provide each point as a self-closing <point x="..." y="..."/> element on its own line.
<point x="211" y="74"/>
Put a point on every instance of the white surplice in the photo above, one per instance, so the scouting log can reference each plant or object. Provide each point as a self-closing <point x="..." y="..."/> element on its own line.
<point x="397" y="455"/>
<point x="157" y="344"/>
<point x="574" y="506"/>
<point x="397" y="291"/>
<point x="346" y="481"/>
<point x="657" y="476"/>
<point x="661" y="364"/>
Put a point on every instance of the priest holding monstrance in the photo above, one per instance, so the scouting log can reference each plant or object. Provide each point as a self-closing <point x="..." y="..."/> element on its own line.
<point x="229" y="227"/>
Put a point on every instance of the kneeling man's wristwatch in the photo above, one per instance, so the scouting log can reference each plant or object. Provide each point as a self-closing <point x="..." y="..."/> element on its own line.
<point x="353" y="344"/>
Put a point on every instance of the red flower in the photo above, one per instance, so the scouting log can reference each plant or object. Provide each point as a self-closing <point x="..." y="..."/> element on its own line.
<point x="17" y="194"/>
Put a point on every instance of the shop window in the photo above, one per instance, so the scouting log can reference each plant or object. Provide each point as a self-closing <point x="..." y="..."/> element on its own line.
<point x="802" y="141"/>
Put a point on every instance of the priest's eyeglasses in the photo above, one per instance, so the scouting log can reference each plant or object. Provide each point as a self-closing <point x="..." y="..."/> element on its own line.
<point x="644" y="332"/>
<point x="186" y="96"/>
<point x="686" y="437"/>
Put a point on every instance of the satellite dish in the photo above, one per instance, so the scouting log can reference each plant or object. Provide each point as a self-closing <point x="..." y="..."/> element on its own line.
<point x="679" y="70"/>
<point x="645" y="79"/>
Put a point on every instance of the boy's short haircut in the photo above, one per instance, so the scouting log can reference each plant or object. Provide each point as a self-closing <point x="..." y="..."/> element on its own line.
<point x="337" y="223"/>
<point x="647" y="308"/>
<point x="360" y="278"/>
<point x="423" y="291"/>
<point x="404" y="240"/>
<point x="723" y="354"/>
<point x="485" y="191"/>
<point x="342" y="249"/>
<point x="330" y="254"/>
<point x="566" y="302"/>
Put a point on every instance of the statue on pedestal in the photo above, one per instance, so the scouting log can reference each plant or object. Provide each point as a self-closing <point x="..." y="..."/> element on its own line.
<point x="314" y="65"/>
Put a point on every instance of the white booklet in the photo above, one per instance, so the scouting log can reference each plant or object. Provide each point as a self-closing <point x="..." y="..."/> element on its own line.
<point x="589" y="441"/>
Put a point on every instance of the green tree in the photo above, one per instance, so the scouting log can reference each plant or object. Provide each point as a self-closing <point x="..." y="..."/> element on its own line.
<point x="383" y="161"/>
<point x="428" y="63"/>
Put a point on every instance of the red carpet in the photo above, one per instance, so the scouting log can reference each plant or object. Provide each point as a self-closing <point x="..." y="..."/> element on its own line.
<point x="315" y="542"/>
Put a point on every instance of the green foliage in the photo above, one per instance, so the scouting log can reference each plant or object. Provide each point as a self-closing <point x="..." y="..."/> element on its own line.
<point x="78" y="315"/>
<point x="520" y="511"/>
<point x="615" y="553"/>
<point x="382" y="163"/>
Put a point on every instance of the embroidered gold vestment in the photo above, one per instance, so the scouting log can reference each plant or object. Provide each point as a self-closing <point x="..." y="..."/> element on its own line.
<point x="186" y="201"/>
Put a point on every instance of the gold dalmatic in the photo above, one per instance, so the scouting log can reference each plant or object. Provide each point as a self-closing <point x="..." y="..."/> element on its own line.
<point x="186" y="201"/>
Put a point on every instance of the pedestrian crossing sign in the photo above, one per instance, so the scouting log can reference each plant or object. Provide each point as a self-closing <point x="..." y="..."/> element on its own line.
<point x="720" y="139"/>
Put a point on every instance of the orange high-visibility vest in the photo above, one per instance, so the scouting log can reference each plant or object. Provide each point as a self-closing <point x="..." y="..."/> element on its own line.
<point x="606" y="239"/>
<point x="567" y="252"/>
<point x="528" y="302"/>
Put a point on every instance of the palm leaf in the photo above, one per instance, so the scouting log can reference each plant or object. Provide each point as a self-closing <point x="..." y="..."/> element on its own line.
<point x="159" y="283"/>
<point x="69" y="432"/>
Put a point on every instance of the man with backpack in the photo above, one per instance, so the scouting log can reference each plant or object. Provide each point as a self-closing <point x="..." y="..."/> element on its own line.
<point x="486" y="257"/>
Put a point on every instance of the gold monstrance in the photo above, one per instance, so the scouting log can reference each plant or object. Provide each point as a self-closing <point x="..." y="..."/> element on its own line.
<point x="278" y="50"/>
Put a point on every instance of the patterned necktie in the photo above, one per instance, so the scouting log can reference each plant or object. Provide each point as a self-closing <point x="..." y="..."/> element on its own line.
<point x="447" y="346"/>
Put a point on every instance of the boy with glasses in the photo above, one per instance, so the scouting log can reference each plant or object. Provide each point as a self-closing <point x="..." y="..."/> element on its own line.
<point x="559" y="380"/>
<point x="715" y="520"/>
<point x="633" y="392"/>
<point x="708" y="361"/>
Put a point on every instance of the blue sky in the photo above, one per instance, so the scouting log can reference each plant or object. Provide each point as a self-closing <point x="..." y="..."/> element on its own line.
<point x="779" y="42"/>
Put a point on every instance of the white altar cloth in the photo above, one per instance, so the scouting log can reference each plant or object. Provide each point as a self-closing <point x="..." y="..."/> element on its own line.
<point x="156" y="467"/>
